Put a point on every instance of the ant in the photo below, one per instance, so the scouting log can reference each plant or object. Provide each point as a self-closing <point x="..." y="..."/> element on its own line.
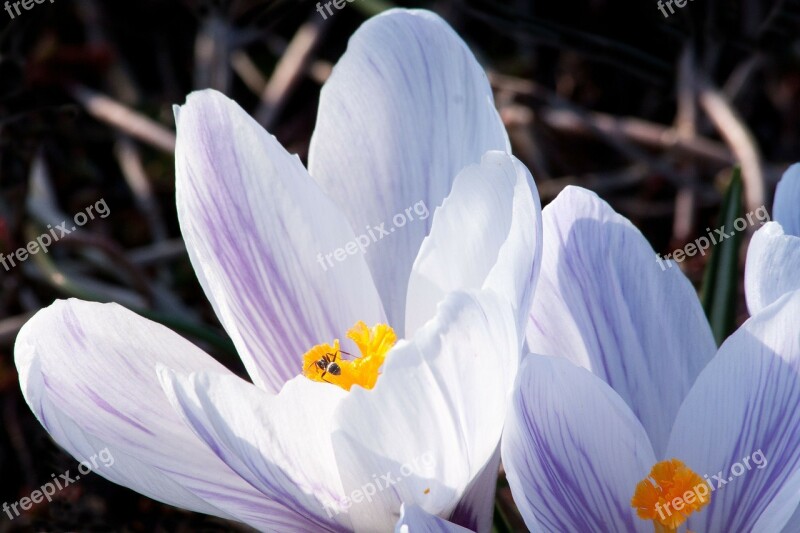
<point x="328" y="365"/>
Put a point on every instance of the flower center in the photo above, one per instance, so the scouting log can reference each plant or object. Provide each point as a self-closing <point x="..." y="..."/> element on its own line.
<point x="669" y="495"/>
<point x="325" y="362"/>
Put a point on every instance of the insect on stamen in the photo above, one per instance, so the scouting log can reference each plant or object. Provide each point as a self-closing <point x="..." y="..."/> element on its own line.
<point x="326" y="363"/>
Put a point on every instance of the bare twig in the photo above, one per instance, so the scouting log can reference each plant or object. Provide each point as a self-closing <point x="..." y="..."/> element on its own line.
<point x="569" y="119"/>
<point x="519" y="124"/>
<point x="130" y="161"/>
<point x="289" y="70"/>
<point x="211" y="51"/>
<point x="248" y="71"/>
<point x="685" y="209"/>
<point x="320" y="71"/>
<point x="738" y="79"/>
<point x="686" y="117"/>
<point x="603" y="183"/>
<point x="158" y="253"/>
<point x="686" y="130"/>
<point x="733" y="129"/>
<point x="118" y="77"/>
<point x="110" y="111"/>
<point x="640" y="131"/>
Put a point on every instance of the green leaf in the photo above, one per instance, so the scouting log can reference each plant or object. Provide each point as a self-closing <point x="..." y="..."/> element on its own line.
<point x="500" y="522"/>
<point x="722" y="273"/>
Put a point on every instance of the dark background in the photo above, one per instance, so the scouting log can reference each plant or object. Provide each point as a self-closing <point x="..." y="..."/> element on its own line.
<point x="608" y="95"/>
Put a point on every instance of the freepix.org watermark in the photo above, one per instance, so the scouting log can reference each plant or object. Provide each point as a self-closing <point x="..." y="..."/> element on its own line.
<point x="701" y="491"/>
<point x="338" y="4"/>
<point x="421" y="466"/>
<point x="49" y="489"/>
<point x="374" y="234"/>
<point x="27" y="5"/>
<point x="43" y="241"/>
<point x="717" y="236"/>
<point x="663" y="5"/>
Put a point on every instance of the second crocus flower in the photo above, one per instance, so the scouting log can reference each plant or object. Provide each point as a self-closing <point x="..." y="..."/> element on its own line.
<point x="630" y="421"/>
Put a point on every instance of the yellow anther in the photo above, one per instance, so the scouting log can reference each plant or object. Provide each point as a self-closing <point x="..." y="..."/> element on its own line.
<point x="669" y="495"/>
<point x="325" y="362"/>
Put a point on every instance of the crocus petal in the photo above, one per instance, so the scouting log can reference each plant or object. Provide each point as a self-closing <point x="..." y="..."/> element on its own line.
<point x="414" y="519"/>
<point x="281" y="444"/>
<point x="747" y="400"/>
<point x="488" y="233"/>
<point x="433" y="421"/>
<point x="405" y="109"/>
<point x="792" y="526"/>
<point x="88" y="373"/>
<point x="573" y="450"/>
<point x="257" y="228"/>
<point x="785" y="210"/>
<point x="772" y="268"/>
<point x="475" y="510"/>
<point x="783" y="512"/>
<point x="605" y="302"/>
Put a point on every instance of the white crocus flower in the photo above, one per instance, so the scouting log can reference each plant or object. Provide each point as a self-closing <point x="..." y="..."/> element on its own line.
<point x="630" y="422"/>
<point x="406" y="119"/>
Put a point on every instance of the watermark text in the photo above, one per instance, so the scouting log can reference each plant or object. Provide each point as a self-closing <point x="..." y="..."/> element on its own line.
<point x="420" y="466"/>
<point x="49" y="489"/>
<point x="702" y="244"/>
<point x="374" y="234"/>
<point x="43" y="241"/>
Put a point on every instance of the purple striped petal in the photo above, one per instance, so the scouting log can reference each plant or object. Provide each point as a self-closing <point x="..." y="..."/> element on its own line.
<point x="475" y="510"/>
<point x="573" y="450"/>
<point x="406" y="108"/>
<point x="88" y="373"/>
<point x="745" y="409"/>
<point x="414" y="519"/>
<point x="280" y="444"/>
<point x="606" y="303"/>
<point x="257" y="229"/>
<point x="783" y="513"/>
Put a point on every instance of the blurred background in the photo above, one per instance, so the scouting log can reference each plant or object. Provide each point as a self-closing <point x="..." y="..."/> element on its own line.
<point x="650" y="111"/>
